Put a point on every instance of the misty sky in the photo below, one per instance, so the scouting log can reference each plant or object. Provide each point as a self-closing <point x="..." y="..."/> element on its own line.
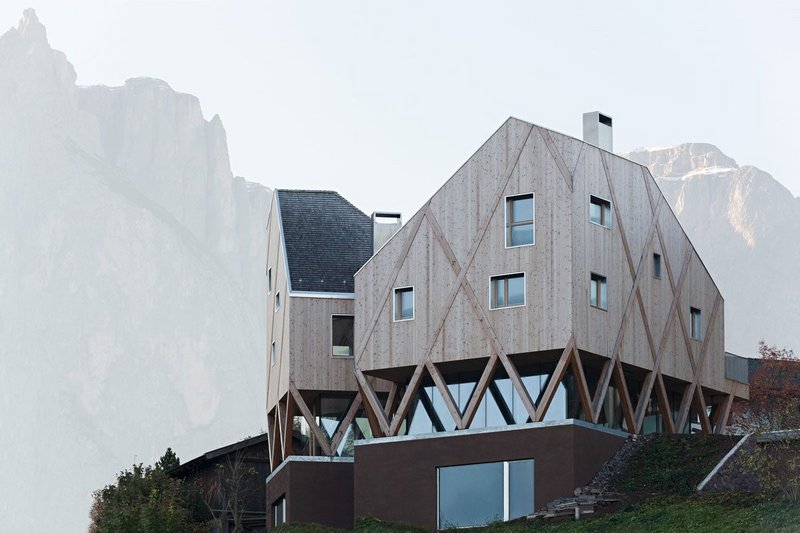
<point x="384" y="102"/>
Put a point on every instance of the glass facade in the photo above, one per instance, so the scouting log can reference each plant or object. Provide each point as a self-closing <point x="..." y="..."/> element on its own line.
<point x="478" y="494"/>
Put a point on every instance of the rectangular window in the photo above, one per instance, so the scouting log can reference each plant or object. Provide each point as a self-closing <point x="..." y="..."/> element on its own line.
<point x="598" y="292"/>
<point x="272" y="357"/>
<point x="477" y="494"/>
<point x="277" y="300"/>
<point x="519" y="220"/>
<point x="269" y="281"/>
<point x="657" y="266"/>
<point x="694" y="323"/>
<point x="342" y="335"/>
<point x="404" y="303"/>
<point x="279" y="512"/>
<point x="507" y="291"/>
<point x="600" y="211"/>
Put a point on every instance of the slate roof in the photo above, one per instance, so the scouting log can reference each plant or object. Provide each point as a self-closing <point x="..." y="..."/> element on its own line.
<point x="327" y="240"/>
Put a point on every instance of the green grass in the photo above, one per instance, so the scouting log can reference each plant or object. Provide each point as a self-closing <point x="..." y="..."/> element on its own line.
<point x="673" y="464"/>
<point x="723" y="514"/>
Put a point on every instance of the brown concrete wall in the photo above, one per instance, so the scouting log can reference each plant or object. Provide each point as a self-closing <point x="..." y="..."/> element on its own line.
<point x="396" y="480"/>
<point x="316" y="492"/>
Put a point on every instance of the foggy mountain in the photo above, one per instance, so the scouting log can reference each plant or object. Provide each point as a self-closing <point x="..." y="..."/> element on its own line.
<point x="746" y="228"/>
<point x="131" y="283"/>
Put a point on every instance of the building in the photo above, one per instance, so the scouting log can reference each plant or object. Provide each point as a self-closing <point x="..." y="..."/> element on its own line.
<point x="231" y="481"/>
<point x="540" y="306"/>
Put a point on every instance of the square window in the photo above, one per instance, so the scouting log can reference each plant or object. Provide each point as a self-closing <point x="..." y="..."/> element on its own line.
<point x="404" y="303"/>
<point x="600" y="211"/>
<point x="519" y="220"/>
<point x="657" y="266"/>
<point x="507" y="291"/>
<point x="598" y="292"/>
<point x="342" y="335"/>
<point x="272" y="357"/>
<point x="695" y="323"/>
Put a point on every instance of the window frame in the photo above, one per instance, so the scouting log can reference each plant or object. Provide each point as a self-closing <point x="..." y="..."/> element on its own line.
<point x="696" y="311"/>
<point x="277" y="300"/>
<point x="280" y="503"/>
<point x="602" y="280"/>
<point x="506" y="276"/>
<point x="343" y="315"/>
<point x="507" y="224"/>
<point x="658" y="264"/>
<point x="395" y="290"/>
<point x="607" y="225"/>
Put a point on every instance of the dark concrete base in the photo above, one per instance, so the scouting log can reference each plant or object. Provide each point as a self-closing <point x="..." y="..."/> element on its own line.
<point x="317" y="490"/>
<point x="395" y="478"/>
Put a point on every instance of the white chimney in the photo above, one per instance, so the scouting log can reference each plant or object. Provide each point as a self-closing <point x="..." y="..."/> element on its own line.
<point x="384" y="226"/>
<point x="597" y="130"/>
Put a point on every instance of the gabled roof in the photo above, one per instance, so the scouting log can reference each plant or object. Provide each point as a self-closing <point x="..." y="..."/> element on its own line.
<point x="327" y="240"/>
<point x="213" y="454"/>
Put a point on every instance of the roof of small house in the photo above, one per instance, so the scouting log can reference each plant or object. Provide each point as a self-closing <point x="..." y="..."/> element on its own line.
<point x="327" y="240"/>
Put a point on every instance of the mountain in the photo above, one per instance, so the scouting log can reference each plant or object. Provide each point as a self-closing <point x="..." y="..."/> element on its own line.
<point x="746" y="228"/>
<point x="132" y="292"/>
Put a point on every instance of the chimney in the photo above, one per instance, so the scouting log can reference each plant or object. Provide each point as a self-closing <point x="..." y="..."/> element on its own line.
<point x="597" y="130"/>
<point x="384" y="226"/>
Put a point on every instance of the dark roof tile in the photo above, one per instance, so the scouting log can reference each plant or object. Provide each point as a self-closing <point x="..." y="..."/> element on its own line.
<point x="327" y="240"/>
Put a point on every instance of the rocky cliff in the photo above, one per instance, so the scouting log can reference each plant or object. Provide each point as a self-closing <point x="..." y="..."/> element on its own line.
<point x="746" y="228"/>
<point x="131" y="283"/>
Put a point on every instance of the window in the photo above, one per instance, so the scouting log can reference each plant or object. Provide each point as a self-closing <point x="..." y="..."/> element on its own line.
<point x="269" y="280"/>
<point x="598" y="292"/>
<point x="477" y="494"/>
<point x="657" y="266"/>
<point x="342" y="335"/>
<point x="272" y="355"/>
<point x="279" y="512"/>
<point x="277" y="300"/>
<point x="600" y="211"/>
<point x="695" y="323"/>
<point x="404" y="303"/>
<point x="519" y="220"/>
<point x="507" y="291"/>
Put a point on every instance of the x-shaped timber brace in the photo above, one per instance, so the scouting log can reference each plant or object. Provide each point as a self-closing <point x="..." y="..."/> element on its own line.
<point x="387" y="421"/>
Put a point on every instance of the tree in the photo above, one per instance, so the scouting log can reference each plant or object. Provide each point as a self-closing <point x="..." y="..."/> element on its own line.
<point x="772" y="418"/>
<point x="232" y="488"/>
<point x="169" y="461"/>
<point x="145" y="499"/>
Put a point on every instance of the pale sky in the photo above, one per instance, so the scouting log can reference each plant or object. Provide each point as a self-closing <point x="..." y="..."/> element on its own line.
<point x="383" y="102"/>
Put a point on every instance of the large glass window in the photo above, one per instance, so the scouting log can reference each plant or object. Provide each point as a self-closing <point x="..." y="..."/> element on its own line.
<point x="600" y="211"/>
<point x="342" y="335"/>
<point x="507" y="291"/>
<point x="477" y="494"/>
<point x="598" y="291"/>
<point x="694" y="323"/>
<point x="404" y="303"/>
<point x="519" y="220"/>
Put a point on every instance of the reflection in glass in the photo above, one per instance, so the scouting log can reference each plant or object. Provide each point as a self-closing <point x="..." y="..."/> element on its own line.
<point x="520" y="488"/>
<point x="470" y="495"/>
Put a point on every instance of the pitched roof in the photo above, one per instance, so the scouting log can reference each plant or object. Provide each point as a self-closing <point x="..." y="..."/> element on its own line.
<point x="327" y="240"/>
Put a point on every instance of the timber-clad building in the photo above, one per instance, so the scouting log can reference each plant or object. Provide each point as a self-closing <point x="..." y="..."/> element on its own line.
<point x="495" y="350"/>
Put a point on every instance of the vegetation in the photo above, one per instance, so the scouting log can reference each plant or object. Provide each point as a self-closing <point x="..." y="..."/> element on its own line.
<point x="145" y="499"/>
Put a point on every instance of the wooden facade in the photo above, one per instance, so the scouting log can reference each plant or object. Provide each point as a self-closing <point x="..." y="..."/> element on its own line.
<point x="448" y="252"/>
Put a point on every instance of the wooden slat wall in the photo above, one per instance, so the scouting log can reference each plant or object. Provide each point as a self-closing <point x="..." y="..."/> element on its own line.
<point x="277" y="321"/>
<point x="567" y="249"/>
